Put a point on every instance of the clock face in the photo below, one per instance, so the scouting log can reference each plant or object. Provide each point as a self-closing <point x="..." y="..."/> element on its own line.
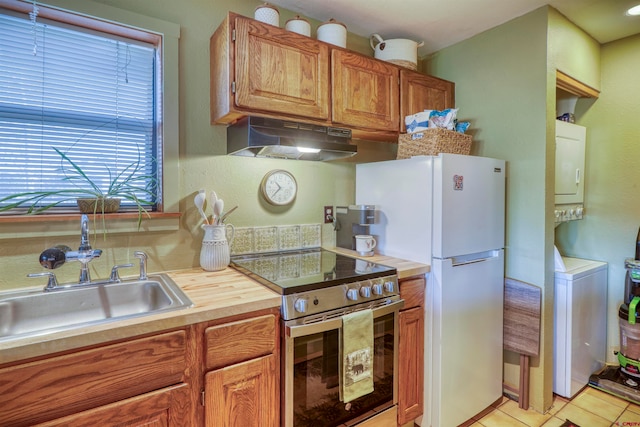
<point x="279" y="187"/>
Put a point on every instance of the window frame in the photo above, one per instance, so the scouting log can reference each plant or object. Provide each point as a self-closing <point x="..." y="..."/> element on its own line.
<point x="165" y="35"/>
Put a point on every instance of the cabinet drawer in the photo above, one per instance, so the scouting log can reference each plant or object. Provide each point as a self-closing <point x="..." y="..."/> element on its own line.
<point x="59" y="386"/>
<point x="236" y="342"/>
<point x="412" y="291"/>
<point x="165" y="407"/>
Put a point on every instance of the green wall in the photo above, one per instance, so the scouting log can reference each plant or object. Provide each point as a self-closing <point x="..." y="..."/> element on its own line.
<point x="202" y="163"/>
<point x="501" y="87"/>
<point x="612" y="176"/>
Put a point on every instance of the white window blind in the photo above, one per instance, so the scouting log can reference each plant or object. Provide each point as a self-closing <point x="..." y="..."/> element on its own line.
<point x="88" y="94"/>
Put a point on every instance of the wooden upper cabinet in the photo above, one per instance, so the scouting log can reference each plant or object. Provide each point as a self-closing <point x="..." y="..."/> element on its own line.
<point x="365" y="92"/>
<point x="422" y="92"/>
<point x="260" y="69"/>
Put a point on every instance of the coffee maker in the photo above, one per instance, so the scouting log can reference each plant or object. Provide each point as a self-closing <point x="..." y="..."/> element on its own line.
<point x="351" y="221"/>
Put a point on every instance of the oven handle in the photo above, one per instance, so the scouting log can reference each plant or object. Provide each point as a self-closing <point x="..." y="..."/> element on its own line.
<point x="336" y="322"/>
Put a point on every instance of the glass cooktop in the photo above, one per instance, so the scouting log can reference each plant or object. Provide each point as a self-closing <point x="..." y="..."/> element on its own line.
<point x="308" y="269"/>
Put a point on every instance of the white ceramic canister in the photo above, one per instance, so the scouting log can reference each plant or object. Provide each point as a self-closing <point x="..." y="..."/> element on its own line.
<point x="333" y="32"/>
<point x="403" y="52"/>
<point x="268" y="14"/>
<point x="299" y="25"/>
<point x="215" y="253"/>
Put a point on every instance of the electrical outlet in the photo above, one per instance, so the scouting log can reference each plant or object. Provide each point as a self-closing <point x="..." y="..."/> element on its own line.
<point x="328" y="214"/>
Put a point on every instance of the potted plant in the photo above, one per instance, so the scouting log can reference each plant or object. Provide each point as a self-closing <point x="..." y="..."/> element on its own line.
<point x="127" y="184"/>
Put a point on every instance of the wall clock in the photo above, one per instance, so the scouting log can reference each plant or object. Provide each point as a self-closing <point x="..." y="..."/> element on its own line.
<point x="279" y="187"/>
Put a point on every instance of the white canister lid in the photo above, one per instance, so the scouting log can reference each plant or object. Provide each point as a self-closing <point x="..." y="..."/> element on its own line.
<point x="297" y="18"/>
<point x="332" y="21"/>
<point x="333" y="32"/>
<point x="267" y="13"/>
<point x="298" y="25"/>
<point x="267" y="5"/>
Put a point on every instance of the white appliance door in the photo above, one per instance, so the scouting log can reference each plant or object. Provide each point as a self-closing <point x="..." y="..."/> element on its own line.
<point x="465" y="309"/>
<point x="570" y="160"/>
<point x="468" y="204"/>
<point x="401" y="190"/>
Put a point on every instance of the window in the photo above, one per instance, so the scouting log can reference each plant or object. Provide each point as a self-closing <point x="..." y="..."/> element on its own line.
<point x="93" y="95"/>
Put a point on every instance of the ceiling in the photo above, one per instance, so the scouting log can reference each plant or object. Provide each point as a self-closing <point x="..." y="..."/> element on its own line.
<point x="442" y="23"/>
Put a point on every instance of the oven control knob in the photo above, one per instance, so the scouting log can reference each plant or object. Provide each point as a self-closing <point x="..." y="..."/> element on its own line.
<point x="377" y="289"/>
<point x="300" y="305"/>
<point x="352" y="294"/>
<point x="388" y="286"/>
<point x="365" y="291"/>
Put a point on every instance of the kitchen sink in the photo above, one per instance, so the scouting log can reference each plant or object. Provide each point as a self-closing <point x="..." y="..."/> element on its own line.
<point x="35" y="312"/>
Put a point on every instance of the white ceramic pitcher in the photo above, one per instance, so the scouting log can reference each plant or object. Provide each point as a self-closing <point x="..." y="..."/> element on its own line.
<point x="215" y="253"/>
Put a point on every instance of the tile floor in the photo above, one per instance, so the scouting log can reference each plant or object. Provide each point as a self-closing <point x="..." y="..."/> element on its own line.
<point x="590" y="408"/>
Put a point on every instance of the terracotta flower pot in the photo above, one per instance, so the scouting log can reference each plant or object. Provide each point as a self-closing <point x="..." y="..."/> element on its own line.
<point x="98" y="205"/>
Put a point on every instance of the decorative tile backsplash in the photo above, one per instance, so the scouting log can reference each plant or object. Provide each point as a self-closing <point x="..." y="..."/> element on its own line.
<point x="310" y="235"/>
<point x="289" y="237"/>
<point x="265" y="239"/>
<point x="248" y="240"/>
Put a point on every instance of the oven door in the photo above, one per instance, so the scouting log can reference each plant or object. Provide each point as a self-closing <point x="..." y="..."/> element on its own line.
<point x="311" y="369"/>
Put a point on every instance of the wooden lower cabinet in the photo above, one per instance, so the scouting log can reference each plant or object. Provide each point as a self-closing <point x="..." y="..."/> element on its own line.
<point x="241" y="385"/>
<point x="411" y="350"/>
<point x="165" y="407"/>
<point x="243" y="395"/>
<point x="219" y="373"/>
<point x="88" y="380"/>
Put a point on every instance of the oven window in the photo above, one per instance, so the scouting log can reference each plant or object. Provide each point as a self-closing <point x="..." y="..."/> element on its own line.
<point x="316" y="377"/>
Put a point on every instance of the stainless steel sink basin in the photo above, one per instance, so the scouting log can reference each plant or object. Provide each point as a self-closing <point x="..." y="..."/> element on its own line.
<point x="31" y="313"/>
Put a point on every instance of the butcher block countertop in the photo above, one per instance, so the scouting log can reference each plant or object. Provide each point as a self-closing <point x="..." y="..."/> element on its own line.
<point x="215" y="295"/>
<point x="405" y="268"/>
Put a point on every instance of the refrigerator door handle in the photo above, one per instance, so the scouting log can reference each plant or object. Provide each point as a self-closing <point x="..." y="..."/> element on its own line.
<point x="473" y="258"/>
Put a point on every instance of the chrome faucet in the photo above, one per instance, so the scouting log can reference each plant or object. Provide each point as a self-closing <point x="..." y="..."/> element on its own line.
<point x="85" y="253"/>
<point x="84" y="234"/>
<point x="54" y="257"/>
<point x="143" y="264"/>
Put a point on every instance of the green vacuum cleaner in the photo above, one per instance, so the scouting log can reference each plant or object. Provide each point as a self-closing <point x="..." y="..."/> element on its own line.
<point x="624" y="380"/>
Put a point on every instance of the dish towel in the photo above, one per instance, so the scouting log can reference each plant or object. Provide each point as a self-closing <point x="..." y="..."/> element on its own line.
<point x="357" y="354"/>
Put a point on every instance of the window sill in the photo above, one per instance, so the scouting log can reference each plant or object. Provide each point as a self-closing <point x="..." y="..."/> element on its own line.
<point x="68" y="224"/>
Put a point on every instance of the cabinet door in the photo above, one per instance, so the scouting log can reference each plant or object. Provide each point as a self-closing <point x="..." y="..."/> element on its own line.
<point x="364" y="91"/>
<point x="411" y="366"/>
<point x="280" y="71"/>
<point x="570" y="160"/>
<point x="32" y="392"/>
<point x="166" y="407"/>
<point x="420" y="92"/>
<point x="242" y="395"/>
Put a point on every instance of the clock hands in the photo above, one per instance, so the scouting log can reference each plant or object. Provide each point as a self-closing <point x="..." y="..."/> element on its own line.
<point x="279" y="188"/>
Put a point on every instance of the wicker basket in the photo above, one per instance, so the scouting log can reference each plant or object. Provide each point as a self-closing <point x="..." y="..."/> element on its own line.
<point x="431" y="142"/>
<point x="98" y="205"/>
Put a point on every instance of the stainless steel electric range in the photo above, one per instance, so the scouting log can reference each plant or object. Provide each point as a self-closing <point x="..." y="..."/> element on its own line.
<point x="318" y="287"/>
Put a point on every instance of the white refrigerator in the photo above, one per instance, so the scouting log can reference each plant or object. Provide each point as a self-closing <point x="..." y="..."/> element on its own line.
<point x="448" y="211"/>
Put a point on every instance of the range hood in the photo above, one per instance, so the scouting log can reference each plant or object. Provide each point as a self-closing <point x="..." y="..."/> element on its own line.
<point x="282" y="139"/>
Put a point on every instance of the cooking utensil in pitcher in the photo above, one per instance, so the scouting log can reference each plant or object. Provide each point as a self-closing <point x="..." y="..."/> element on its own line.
<point x="212" y="203"/>
<point x="226" y="214"/>
<point x="199" y="200"/>
<point x="218" y="207"/>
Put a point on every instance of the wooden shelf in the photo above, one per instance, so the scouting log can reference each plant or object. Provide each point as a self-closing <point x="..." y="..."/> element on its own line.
<point x="575" y="87"/>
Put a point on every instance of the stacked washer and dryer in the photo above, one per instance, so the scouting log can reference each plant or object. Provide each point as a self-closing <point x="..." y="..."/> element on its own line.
<point x="580" y="309"/>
